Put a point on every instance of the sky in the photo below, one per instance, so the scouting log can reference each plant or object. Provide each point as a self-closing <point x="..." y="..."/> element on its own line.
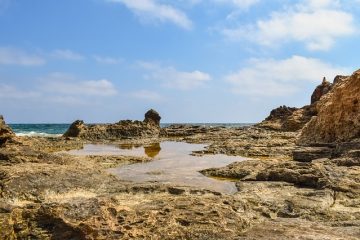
<point x="191" y="60"/>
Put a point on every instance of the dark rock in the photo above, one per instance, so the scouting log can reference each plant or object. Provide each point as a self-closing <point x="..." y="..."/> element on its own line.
<point x="288" y="119"/>
<point x="5" y="132"/>
<point x="175" y="191"/>
<point x="74" y="129"/>
<point x="307" y="154"/>
<point x="281" y="112"/>
<point x="152" y="117"/>
<point x="321" y="90"/>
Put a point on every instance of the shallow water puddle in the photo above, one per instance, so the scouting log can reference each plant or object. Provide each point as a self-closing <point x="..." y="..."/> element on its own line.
<point x="172" y="164"/>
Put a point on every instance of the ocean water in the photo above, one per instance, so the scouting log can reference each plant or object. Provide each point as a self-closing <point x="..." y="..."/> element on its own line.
<point x="39" y="130"/>
<point x="56" y="130"/>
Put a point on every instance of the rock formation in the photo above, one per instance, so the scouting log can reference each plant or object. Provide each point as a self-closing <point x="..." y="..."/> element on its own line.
<point x="338" y="118"/>
<point x="75" y="129"/>
<point x="288" y="119"/>
<point x="5" y="132"/>
<point x="292" y="119"/>
<point x="152" y="117"/>
<point x="320" y="91"/>
<point x="150" y="127"/>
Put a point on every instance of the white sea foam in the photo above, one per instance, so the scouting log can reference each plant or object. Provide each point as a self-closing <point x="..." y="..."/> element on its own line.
<point x="37" y="134"/>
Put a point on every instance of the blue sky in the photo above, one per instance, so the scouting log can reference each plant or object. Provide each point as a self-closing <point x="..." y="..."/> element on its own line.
<point x="192" y="60"/>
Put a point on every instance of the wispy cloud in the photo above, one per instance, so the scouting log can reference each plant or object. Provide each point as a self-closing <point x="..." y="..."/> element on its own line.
<point x="60" y="83"/>
<point x="242" y="4"/>
<point x="14" y="56"/>
<point x="316" y="23"/>
<point x="269" y="77"/>
<point x="60" y="88"/>
<point x="67" y="54"/>
<point x="172" y="78"/>
<point x="11" y="92"/>
<point x="152" y="10"/>
<point x="107" y="60"/>
<point x="146" y="95"/>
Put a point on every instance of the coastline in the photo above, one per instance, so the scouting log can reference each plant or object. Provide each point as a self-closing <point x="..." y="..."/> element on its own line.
<point x="290" y="187"/>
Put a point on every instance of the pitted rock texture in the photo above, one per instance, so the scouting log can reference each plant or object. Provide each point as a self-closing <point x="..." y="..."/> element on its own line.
<point x="338" y="118"/>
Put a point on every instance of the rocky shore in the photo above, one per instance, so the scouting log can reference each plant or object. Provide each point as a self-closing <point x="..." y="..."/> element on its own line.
<point x="303" y="181"/>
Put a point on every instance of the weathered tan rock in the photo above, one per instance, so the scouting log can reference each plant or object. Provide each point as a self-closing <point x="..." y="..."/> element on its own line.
<point x="338" y="117"/>
<point x="292" y="119"/>
<point x="289" y="119"/>
<point x="5" y="132"/>
<point x="150" y="127"/>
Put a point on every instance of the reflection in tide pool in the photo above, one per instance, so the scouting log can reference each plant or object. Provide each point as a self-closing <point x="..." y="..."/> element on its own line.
<point x="172" y="164"/>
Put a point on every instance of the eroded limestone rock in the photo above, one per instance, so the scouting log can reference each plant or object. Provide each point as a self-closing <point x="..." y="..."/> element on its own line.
<point x="338" y="118"/>
<point x="150" y="127"/>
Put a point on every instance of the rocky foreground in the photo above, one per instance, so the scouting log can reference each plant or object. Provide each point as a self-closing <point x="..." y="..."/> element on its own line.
<point x="302" y="183"/>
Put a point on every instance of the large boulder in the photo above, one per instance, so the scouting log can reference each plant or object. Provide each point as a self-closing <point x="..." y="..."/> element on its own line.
<point x="152" y="117"/>
<point x="75" y="129"/>
<point x="5" y="132"/>
<point x="338" y="118"/>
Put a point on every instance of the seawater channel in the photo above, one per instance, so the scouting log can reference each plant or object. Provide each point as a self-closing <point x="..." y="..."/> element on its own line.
<point x="172" y="162"/>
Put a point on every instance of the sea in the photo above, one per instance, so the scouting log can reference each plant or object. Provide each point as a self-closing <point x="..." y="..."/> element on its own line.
<point x="56" y="130"/>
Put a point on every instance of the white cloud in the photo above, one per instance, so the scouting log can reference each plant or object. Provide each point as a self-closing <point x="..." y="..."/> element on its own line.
<point x="11" y="92"/>
<point x="146" y="95"/>
<point x="242" y="4"/>
<point x="13" y="56"/>
<point x="107" y="60"/>
<point x="61" y="88"/>
<point x="172" y="78"/>
<point x="316" y="23"/>
<point x="153" y="10"/>
<point x="269" y="77"/>
<point x="67" y="85"/>
<point x="67" y="54"/>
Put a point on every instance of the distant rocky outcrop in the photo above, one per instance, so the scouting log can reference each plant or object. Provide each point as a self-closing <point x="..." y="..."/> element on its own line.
<point x="338" y="117"/>
<point x="150" y="127"/>
<point x="5" y="132"/>
<point x="292" y="119"/>
<point x="288" y="119"/>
